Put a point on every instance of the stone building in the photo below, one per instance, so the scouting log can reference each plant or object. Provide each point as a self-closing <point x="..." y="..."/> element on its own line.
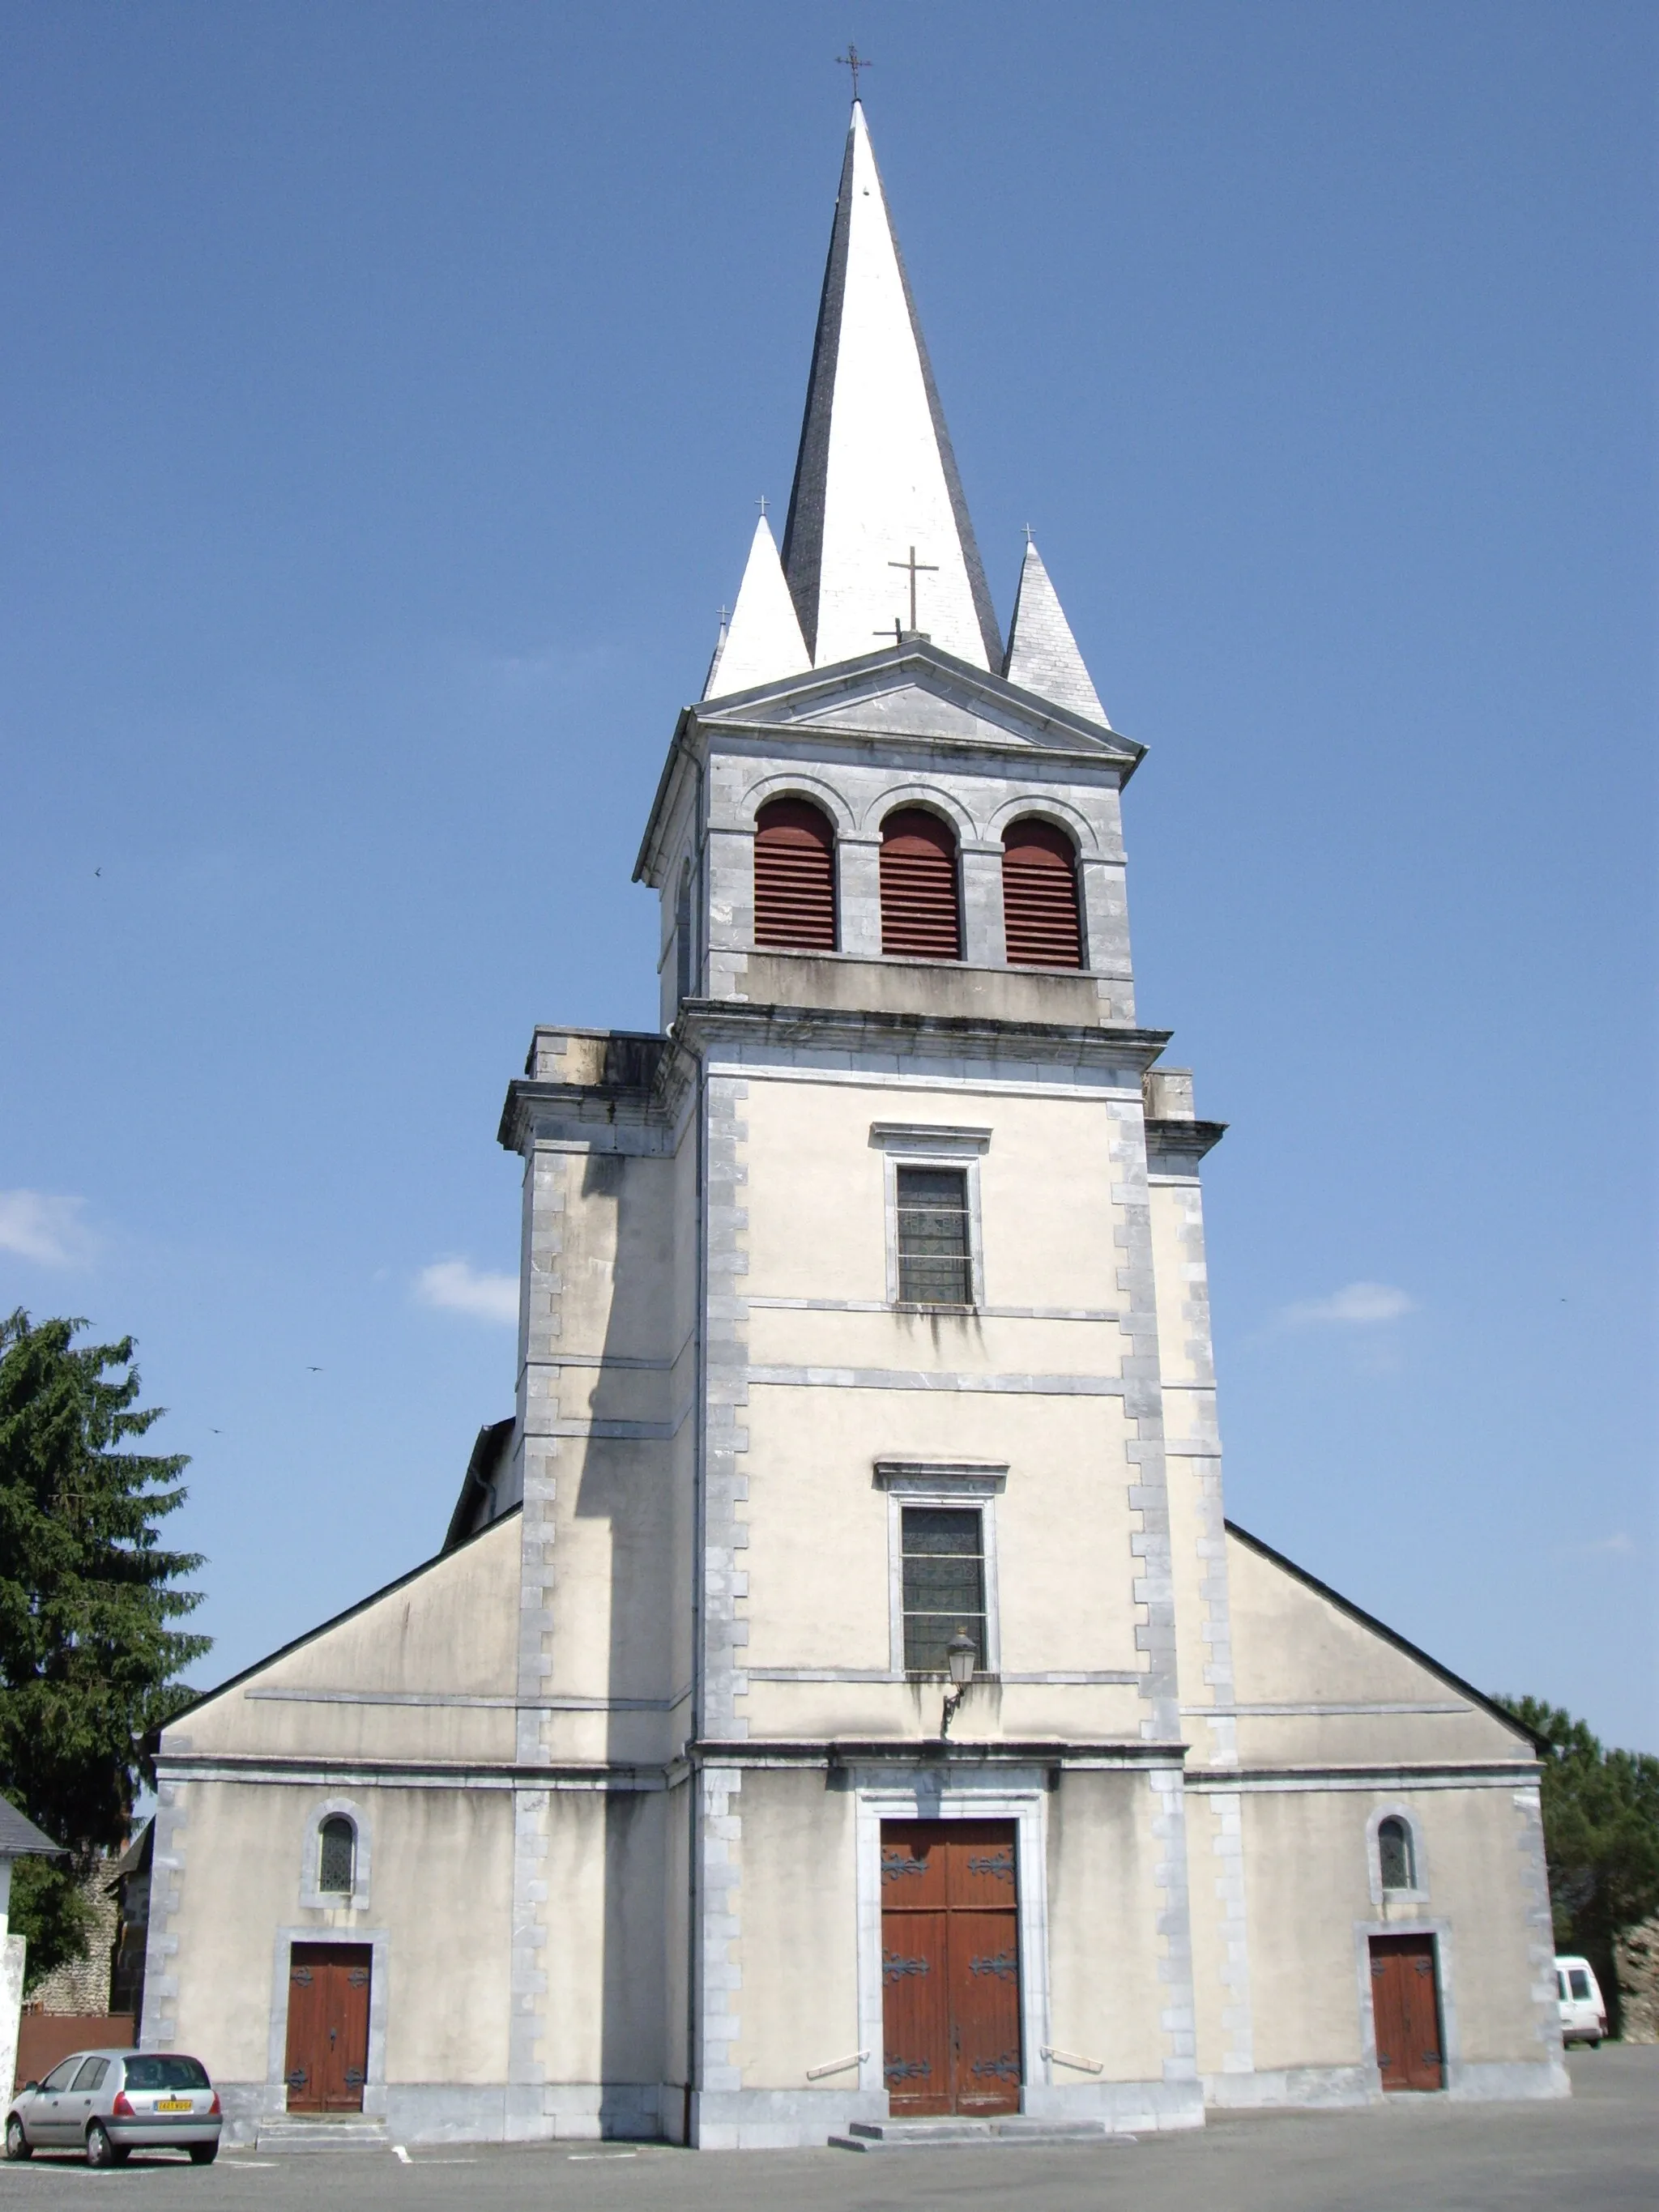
<point x="864" y="1346"/>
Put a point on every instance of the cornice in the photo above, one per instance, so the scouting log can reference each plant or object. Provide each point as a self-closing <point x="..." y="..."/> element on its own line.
<point x="1185" y="1141"/>
<point x="705" y="1022"/>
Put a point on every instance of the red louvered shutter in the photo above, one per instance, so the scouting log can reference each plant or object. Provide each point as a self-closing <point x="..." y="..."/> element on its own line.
<point x="1039" y="897"/>
<point x="919" y="913"/>
<point x="794" y="877"/>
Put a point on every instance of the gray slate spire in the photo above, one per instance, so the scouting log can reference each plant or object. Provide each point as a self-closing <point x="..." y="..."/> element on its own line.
<point x="876" y="475"/>
<point x="1043" y="655"/>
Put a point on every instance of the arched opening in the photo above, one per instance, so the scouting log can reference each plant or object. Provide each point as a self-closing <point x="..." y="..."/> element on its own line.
<point x="336" y="1856"/>
<point x="920" y="916"/>
<point x="1396" y="1857"/>
<point x="794" y="877"/>
<point x="1039" y="896"/>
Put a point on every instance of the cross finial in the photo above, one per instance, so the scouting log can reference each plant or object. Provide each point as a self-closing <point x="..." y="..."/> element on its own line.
<point x="854" y="60"/>
<point x="761" y="504"/>
<point x="914" y="568"/>
<point x="1030" y="535"/>
<point x="725" y="613"/>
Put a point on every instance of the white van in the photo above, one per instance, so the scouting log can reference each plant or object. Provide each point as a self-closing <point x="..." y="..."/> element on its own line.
<point x="1584" y="2015"/>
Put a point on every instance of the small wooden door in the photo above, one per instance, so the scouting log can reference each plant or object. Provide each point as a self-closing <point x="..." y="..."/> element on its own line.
<point x="1406" y="2012"/>
<point x="327" y="2026"/>
<point x="949" y="1967"/>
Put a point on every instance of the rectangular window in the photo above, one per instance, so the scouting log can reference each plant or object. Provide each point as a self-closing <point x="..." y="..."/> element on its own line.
<point x="934" y="1254"/>
<point x="944" y="1550"/>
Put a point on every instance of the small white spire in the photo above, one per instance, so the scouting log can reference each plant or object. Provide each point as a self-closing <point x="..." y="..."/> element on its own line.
<point x="763" y="641"/>
<point x="1043" y="655"/>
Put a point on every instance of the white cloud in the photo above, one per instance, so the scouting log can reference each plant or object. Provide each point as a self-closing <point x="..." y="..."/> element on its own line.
<point x="37" y="1226"/>
<point x="1357" y="1305"/>
<point x="457" y="1287"/>
<point x="1603" y="1546"/>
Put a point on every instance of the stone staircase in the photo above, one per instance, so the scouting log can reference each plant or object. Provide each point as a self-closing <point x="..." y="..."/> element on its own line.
<point x="321" y="2131"/>
<point x="1011" y="2131"/>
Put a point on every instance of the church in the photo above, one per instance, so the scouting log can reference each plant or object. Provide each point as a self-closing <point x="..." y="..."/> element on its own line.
<point x="839" y="1704"/>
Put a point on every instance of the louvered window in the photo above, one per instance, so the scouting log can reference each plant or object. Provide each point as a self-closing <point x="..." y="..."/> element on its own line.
<point x="1039" y="897"/>
<point x="919" y="912"/>
<point x="935" y="1253"/>
<point x="944" y="1584"/>
<point x="794" y="877"/>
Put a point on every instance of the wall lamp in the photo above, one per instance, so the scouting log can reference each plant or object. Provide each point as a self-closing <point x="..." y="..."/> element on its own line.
<point x="961" y="1656"/>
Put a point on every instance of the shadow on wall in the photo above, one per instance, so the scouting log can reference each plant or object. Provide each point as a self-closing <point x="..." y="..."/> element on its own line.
<point x="627" y="1484"/>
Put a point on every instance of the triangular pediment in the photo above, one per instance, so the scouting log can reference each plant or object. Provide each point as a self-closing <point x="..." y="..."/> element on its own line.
<point x="912" y="690"/>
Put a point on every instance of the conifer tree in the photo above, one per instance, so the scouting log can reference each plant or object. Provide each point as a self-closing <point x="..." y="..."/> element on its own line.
<point x="1600" y="1837"/>
<point x="88" y="1653"/>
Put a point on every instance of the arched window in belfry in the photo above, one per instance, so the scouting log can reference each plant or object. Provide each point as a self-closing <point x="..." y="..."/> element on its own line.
<point x="794" y="877"/>
<point x="1039" y="896"/>
<point x="920" y="915"/>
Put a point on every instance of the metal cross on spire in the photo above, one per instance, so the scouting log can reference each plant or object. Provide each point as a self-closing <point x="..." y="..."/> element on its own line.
<point x="914" y="569"/>
<point x="854" y="60"/>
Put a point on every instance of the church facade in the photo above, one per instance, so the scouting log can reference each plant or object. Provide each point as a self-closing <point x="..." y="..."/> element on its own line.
<point x="841" y="1698"/>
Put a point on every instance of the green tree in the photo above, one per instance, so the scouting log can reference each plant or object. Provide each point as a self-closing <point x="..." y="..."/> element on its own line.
<point x="1601" y="1834"/>
<point x="88" y="1655"/>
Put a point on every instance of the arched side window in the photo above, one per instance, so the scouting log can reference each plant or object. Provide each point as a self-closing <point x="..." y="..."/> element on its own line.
<point x="336" y="1856"/>
<point x="1039" y="896"/>
<point x="794" y="877"/>
<point x="920" y="915"/>
<point x="1396" y="1854"/>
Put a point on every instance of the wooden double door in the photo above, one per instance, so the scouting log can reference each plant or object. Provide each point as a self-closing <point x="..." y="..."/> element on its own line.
<point x="949" y="1967"/>
<point x="327" y="2026"/>
<point x="1406" y="2012"/>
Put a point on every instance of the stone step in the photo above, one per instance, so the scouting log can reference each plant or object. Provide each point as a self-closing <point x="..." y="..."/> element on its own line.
<point x="322" y="2131"/>
<point x="1013" y="2130"/>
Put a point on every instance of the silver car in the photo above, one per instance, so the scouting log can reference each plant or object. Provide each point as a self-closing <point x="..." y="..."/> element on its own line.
<point x="112" y="2103"/>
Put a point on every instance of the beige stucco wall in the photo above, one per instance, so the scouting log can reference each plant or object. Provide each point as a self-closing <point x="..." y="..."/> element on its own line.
<point x="1106" y="1995"/>
<point x="799" y="1951"/>
<point x="449" y="1631"/>
<point x="1293" y="1647"/>
<point x="1309" y="1893"/>
<point x="447" y="1994"/>
<point x="604" y="2019"/>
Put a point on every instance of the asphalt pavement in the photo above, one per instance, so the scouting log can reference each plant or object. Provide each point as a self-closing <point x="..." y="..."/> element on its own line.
<point x="1597" y="2151"/>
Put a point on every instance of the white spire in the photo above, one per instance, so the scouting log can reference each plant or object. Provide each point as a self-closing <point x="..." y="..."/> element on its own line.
<point x="1043" y="655"/>
<point x="763" y="641"/>
<point x="876" y="475"/>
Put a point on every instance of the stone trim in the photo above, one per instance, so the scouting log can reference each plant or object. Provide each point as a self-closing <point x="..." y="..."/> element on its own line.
<point x="159" y="2026"/>
<point x="975" y="1488"/>
<point x="322" y="1900"/>
<point x="924" y="1794"/>
<point x="1418" y="1894"/>
<point x="377" y="1944"/>
<point x="1540" y="1930"/>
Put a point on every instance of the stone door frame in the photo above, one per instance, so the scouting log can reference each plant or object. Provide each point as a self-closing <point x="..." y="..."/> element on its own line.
<point x="1022" y="1797"/>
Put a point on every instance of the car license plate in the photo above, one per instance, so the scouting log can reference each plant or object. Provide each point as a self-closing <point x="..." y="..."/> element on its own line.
<point x="173" y="2104"/>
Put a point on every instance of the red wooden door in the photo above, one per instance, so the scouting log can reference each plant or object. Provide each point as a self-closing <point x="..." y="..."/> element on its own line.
<point x="1406" y="2012"/>
<point x="327" y="2026"/>
<point x="950" y="1957"/>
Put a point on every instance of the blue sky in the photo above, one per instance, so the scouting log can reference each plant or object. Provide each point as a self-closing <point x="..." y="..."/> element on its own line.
<point x="385" y="396"/>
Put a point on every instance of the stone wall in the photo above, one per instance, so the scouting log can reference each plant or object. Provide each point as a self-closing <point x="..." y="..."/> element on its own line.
<point x="82" y="1985"/>
<point x="1637" y="1956"/>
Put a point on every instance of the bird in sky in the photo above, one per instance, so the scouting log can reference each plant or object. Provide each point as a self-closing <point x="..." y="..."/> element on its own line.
<point x="97" y="871"/>
<point x="313" y="1370"/>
